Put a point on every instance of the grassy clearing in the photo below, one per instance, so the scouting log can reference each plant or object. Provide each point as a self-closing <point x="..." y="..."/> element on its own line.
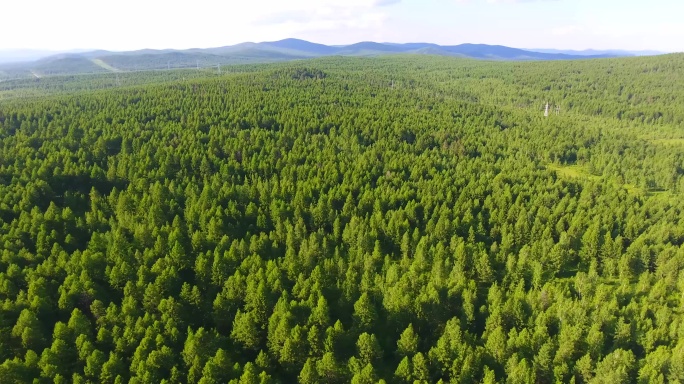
<point x="572" y="171"/>
<point x="633" y="189"/>
<point x="659" y="193"/>
<point x="670" y="142"/>
<point x="580" y="172"/>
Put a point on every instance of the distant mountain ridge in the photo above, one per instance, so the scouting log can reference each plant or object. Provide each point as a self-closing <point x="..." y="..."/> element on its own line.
<point x="270" y="51"/>
<point x="593" y="52"/>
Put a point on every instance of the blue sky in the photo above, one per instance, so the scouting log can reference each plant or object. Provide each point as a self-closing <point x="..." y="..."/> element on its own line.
<point x="135" y="24"/>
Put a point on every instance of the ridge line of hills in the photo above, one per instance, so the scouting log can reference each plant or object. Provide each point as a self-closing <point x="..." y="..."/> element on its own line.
<point x="251" y="53"/>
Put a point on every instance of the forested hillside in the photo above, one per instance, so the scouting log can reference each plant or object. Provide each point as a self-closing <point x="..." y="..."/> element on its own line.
<point x="90" y="62"/>
<point x="398" y="219"/>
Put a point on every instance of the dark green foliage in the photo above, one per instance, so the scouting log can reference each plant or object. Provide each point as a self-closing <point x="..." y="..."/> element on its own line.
<point x="355" y="220"/>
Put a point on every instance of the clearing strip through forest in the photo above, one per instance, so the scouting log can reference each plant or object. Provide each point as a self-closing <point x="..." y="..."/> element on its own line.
<point x="104" y="65"/>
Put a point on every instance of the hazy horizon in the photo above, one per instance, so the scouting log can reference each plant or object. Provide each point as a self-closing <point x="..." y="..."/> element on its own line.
<point x="18" y="56"/>
<point x="550" y="24"/>
<point x="81" y="49"/>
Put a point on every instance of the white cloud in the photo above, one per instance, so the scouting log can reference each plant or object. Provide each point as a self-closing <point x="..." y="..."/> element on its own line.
<point x="597" y="33"/>
<point x="134" y="24"/>
<point x="567" y="30"/>
<point x="305" y="16"/>
<point x="502" y="1"/>
<point x="383" y="3"/>
<point x="621" y="31"/>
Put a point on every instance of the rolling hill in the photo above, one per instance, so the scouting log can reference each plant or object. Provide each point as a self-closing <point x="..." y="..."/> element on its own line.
<point x="594" y="52"/>
<point x="272" y="51"/>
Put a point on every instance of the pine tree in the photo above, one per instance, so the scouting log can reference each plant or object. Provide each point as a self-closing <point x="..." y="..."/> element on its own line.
<point x="407" y="345"/>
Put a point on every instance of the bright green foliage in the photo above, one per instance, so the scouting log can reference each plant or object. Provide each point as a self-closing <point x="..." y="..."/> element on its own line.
<point x="309" y="375"/>
<point x="368" y="349"/>
<point x="404" y="370"/>
<point x="396" y="219"/>
<point x="28" y="330"/>
<point x="616" y="367"/>
<point x="407" y="345"/>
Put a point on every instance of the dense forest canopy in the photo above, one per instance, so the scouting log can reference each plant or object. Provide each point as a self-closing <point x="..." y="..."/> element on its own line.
<point x="397" y="219"/>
